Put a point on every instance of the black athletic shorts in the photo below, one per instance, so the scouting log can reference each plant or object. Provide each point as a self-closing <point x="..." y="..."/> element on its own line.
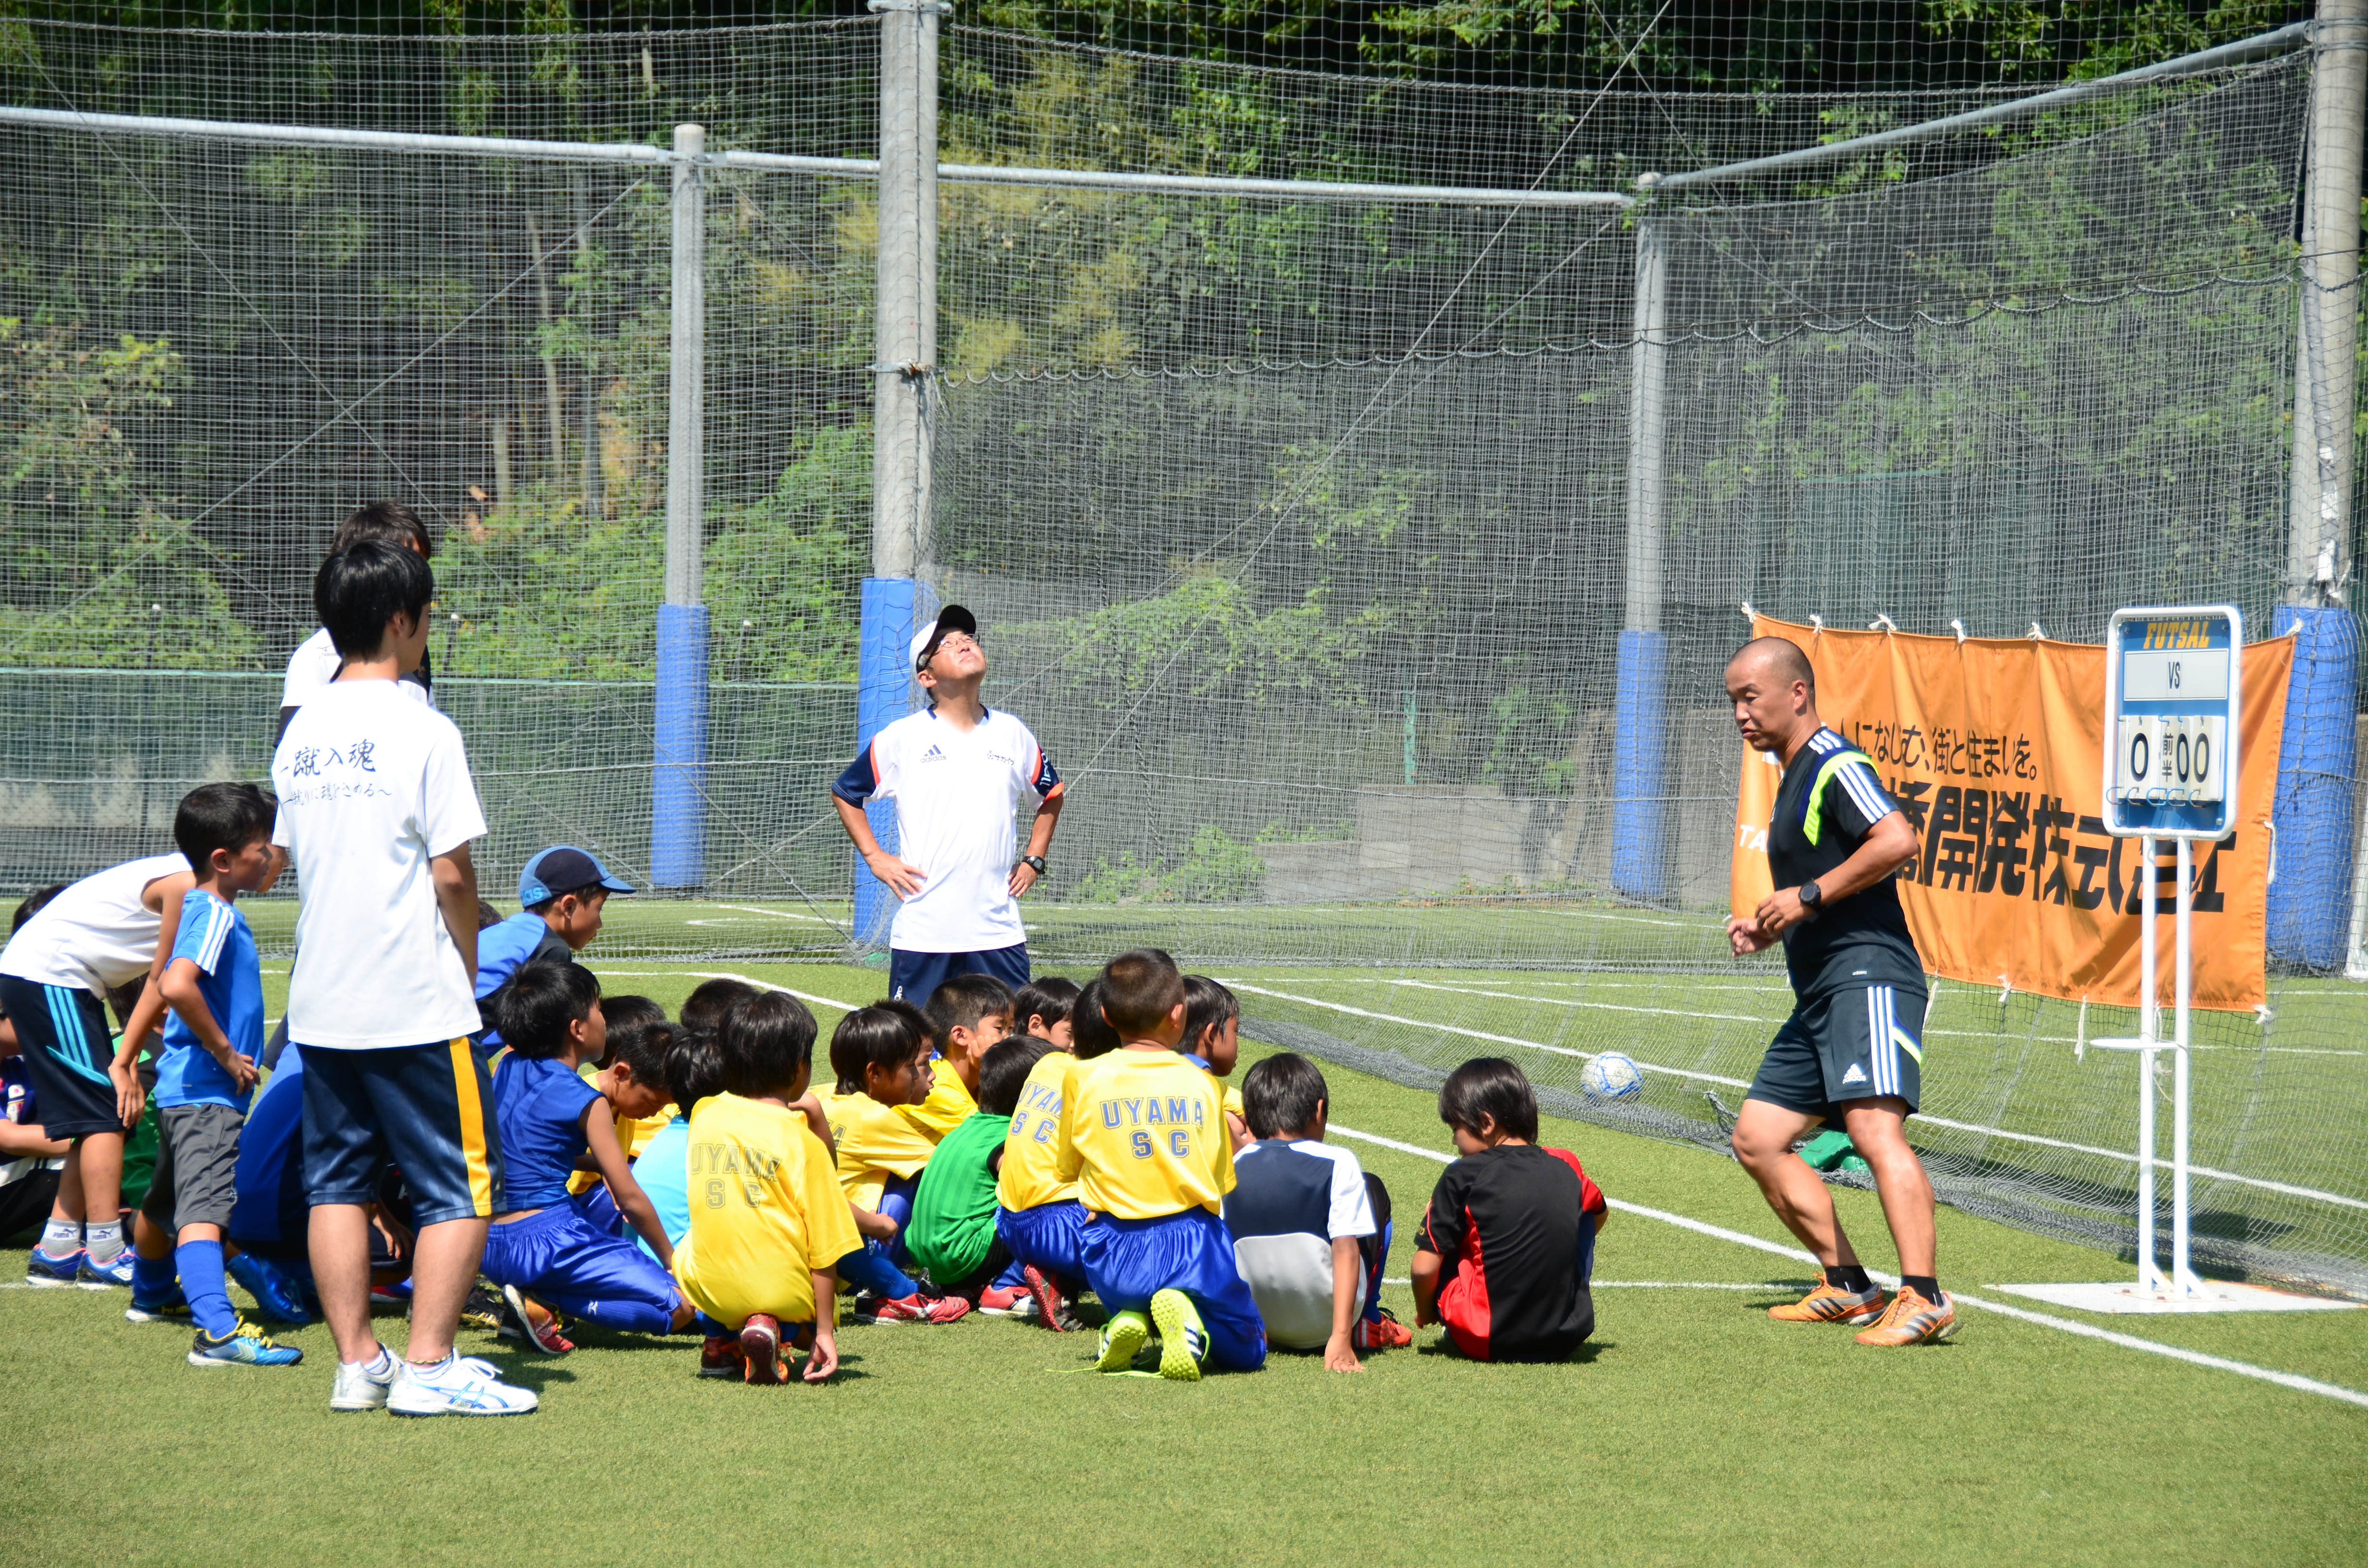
<point x="428" y="1110"/>
<point x="1858" y="1044"/>
<point x="196" y="1166"/>
<point x="67" y="1046"/>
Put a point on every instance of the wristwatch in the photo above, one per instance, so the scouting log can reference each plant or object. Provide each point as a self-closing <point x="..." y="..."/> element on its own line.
<point x="1033" y="862"/>
<point x="1811" y="895"/>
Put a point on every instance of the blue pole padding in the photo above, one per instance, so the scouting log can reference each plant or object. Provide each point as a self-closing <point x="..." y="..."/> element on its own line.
<point x="884" y="692"/>
<point x="679" y="779"/>
<point x="1640" y="858"/>
<point x="2310" y="903"/>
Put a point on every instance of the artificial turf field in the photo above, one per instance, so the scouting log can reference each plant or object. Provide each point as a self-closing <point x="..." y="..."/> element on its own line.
<point x="1690" y="1430"/>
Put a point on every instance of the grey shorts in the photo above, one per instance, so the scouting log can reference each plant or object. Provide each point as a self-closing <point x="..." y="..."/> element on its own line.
<point x="196" y="1166"/>
<point x="1853" y="1045"/>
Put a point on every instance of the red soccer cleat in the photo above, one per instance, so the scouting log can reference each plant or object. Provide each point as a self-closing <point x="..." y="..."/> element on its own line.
<point x="761" y="1343"/>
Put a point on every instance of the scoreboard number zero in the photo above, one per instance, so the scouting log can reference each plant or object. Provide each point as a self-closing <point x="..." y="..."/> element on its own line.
<point x="2172" y="704"/>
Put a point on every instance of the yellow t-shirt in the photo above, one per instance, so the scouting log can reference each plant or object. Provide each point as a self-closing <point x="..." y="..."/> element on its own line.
<point x="875" y="1145"/>
<point x="1144" y="1134"/>
<point x="1031" y="1176"/>
<point x="949" y="1106"/>
<point x="764" y="1212"/>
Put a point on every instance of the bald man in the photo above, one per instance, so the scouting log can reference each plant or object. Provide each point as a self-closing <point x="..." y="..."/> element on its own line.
<point x="1852" y="1053"/>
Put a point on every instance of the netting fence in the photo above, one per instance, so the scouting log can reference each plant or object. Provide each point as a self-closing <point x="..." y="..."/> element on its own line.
<point x="1300" y="528"/>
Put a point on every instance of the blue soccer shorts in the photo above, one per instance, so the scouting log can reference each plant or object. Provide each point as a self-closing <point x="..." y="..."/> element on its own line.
<point x="428" y="1110"/>
<point x="915" y="977"/>
<point x="567" y="1257"/>
<point x="1859" y="1044"/>
<point x="1051" y="1236"/>
<point x="62" y="1030"/>
<point x="1127" y="1261"/>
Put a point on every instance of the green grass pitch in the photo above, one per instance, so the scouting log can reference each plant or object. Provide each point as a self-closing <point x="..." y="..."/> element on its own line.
<point x="1691" y="1430"/>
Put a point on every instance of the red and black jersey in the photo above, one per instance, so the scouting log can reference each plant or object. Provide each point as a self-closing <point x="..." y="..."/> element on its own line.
<point x="1515" y="1227"/>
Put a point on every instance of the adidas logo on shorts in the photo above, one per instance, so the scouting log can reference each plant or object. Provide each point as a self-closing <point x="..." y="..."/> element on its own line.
<point x="1854" y="1076"/>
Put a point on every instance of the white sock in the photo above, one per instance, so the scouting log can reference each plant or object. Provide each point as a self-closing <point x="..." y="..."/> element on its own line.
<point x="375" y="1364"/>
<point x="429" y="1369"/>
<point x="60" y="1238"/>
<point x="106" y="1242"/>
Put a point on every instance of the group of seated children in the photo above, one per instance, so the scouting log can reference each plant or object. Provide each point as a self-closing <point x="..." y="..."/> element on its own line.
<point x="985" y="1151"/>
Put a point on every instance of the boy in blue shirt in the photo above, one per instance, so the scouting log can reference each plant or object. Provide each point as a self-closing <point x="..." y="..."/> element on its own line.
<point x="205" y="1071"/>
<point x="546" y="1243"/>
<point x="694" y="1072"/>
<point x="561" y="894"/>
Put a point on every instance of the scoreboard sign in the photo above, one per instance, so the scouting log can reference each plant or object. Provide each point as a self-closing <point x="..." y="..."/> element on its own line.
<point x="2172" y="679"/>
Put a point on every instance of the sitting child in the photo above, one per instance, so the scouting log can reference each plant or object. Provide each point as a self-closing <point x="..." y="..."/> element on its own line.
<point x="1310" y="1230"/>
<point x="966" y="1014"/>
<point x="1040" y="1010"/>
<point x="772" y="1223"/>
<point x="952" y="1230"/>
<point x="631" y="1078"/>
<point x="1038" y="1216"/>
<point x="705" y="1008"/>
<point x="549" y="1251"/>
<point x="1517" y="1222"/>
<point x="694" y="1070"/>
<point x="1213" y="1041"/>
<point x="1143" y="1137"/>
<point x="880" y="1057"/>
<point x="563" y="891"/>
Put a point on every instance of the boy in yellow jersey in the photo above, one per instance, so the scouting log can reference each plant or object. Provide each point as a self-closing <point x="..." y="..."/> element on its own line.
<point x="880" y="1057"/>
<point x="966" y="1014"/>
<point x="768" y="1221"/>
<point x="1143" y="1136"/>
<point x="1213" y="1041"/>
<point x="1038" y="1217"/>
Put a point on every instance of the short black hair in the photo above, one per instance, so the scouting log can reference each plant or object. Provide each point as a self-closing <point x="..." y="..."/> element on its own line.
<point x="357" y="591"/>
<point x="1490" y="1088"/>
<point x="488" y="915"/>
<point x="388" y="521"/>
<point x="220" y="816"/>
<point x="1003" y="1071"/>
<point x="1140" y="989"/>
<point x="540" y="1000"/>
<point x="35" y="902"/>
<point x="961" y="1001"/>
<point x="584" y="894"/>
<point x="766" y="1039"/>
<point x="878" y="1036"/>
<point x="1049" y="999"/>
<point x="1207" y="1005"/>
<point x="707" y="1006"/>
<point x="1791" y="664"/>
<point x="626" y="1010"/>
<point x="641" y="1044"/>
<point x="1091" y="1034"/>
<point x="694" y="1068"/>
<point x="1280" y="1094"/>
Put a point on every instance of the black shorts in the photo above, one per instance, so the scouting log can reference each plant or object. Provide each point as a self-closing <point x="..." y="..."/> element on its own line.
<point x="428" y="1110"/>
<point x="27" y="1201"/>
<point x="196" y="1166"/>
<point x="67" y="1048"/>
<point x="1859" y="1044"/>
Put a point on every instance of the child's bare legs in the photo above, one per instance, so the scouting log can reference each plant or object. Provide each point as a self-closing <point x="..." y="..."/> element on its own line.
<point x="443" y="1268"/>
<point x="93" y="1183"/>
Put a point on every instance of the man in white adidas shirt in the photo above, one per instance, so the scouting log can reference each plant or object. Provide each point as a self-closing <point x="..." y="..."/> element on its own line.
<point x="377" y="810"/>
<point x="957" y="773"/>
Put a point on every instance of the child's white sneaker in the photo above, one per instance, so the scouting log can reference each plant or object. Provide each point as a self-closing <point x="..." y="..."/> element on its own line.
<point x="459" y="1385"/>
<point x="363" y="1385"/>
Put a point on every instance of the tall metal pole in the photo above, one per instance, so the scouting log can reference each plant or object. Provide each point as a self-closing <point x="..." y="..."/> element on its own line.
<point x="2309" y="903"/>
<point x="905" y="322"/>
<point x="2149" y="1029"/>
<point x="2182" y="1278"/>
<point x="679" y="794"/>
<point x="1640" y="862"/>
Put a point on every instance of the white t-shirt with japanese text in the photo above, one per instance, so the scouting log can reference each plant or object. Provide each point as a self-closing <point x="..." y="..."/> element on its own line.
<point x="374" y="784"/>
<point x="956" y="794"/>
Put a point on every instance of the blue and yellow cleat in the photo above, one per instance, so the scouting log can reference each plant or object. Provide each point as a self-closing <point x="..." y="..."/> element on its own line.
<point x="241" y="1347"/>
<point x="115" y="1271"/>
<point x="276" y="1296"/>
<point x="173" y="1307"/>
<point x="46" y="1273"/>
<point x="1122" y="1337"/>
<point x="1183" y="1341"/>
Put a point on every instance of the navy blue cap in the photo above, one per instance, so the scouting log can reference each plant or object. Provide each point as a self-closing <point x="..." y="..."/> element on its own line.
<point x="563" y="868"/>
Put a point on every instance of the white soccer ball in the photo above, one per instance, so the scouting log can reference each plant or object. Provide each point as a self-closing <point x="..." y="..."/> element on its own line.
<point x="1611" y="1076"/>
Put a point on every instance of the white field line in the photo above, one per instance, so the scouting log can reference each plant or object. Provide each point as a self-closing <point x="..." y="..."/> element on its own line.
<point x="775" y="914"/>
<point x="2126" y="1156"/>
<point x="1737" y="1018"/>
<point x="2087" y="1331"/>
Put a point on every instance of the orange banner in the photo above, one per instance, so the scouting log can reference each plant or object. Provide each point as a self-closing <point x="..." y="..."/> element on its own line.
<point x="1995" y="751"/>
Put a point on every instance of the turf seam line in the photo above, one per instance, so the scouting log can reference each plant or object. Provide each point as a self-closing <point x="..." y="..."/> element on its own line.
<point x="2127" y="1341"/>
